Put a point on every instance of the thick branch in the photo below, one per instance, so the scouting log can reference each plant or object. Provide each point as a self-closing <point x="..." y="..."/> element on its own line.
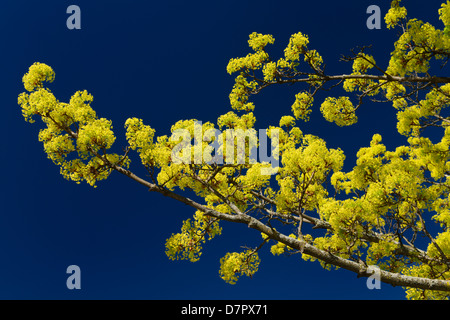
<point x="433" y="79"/>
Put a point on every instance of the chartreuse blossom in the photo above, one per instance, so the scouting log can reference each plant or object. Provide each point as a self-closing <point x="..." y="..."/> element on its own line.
<point x="444" y="16"/>
<point x="188" y="243"/>
<point x="72" y="128"/>
<point x="302" y="106"/>
<point x="395" y="14"/>
<point x="36" y="75"/>
<point x="297" y="45"/>
<point x="361" y="64"/>
<point x="253" y="60"/>
<point x="235" y="264"/>
<point x="340" y="111"/>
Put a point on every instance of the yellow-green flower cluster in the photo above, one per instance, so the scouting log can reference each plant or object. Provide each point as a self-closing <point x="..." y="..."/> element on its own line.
<point x="258" y="41"/>
<point x="409" y="118"/>
<point x="444" y="13"/>
<point x="233" y="121"/>
<point x="94" y="170"/>
<point x="140" y="138"/>
<point x="287" y="137"/>
<point x="302" y="106"/>
<point x="269" y="71"/>
<point x="442" y="241"/>
<point x="40" y="102"/>
<point x="432" y="156"/>
<point x="340" y="111"/>
<point x="395" y="14"/>
<point x="37" y="73"/>
<point x="71" y="127"/>
<point x="56" y="146"/>
<point x="393" y="184"/>
<point x="303" y="171"/>
<point x="393" y="90"/>
<point x="236" y="264"/>
<point x="361" y="64"/>
<point x="187" y="244"/>
<point x="425" y="271"/>
<point x="252" y="61"/>
<point x="313" y="58"/>
<point x="240" y="93"/>
<point x="415" y="47"/>
<point x="79" y="108"/>
<point x="378" y="251"/>
<point x="253" y="179"/>
<point x="94" y="136"/>
<point x="297" y="45"/>
<point x="280" y="248"/>
<point x="444" y="16"/>
<point x="287" y="121"/>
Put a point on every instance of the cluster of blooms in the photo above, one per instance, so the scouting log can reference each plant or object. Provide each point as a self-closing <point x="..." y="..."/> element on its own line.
<point x="361" y="64"/>
<point x="394" y="182"/>
<point x="252" y="61"/>
<point x="340" y="111"/>
<point x="187" y="244"/>
<point x="235" y="264"/>
<point x="297" y="46"/>
<point x="71" y="128"/>
<point x="301" y="108"/>
<point x="444" y="16"/>
<point x="418" y="44"/>
<point x="395" y="14"/>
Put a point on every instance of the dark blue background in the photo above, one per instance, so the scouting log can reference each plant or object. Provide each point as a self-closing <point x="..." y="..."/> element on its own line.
<point x="162" y="62"/>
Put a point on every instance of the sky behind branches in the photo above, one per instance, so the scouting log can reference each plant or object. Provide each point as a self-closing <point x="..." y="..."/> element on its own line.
<point x="162" y="62"/>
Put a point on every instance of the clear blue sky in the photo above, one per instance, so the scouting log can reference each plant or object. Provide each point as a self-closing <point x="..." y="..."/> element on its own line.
<point x="160" y="61"/>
